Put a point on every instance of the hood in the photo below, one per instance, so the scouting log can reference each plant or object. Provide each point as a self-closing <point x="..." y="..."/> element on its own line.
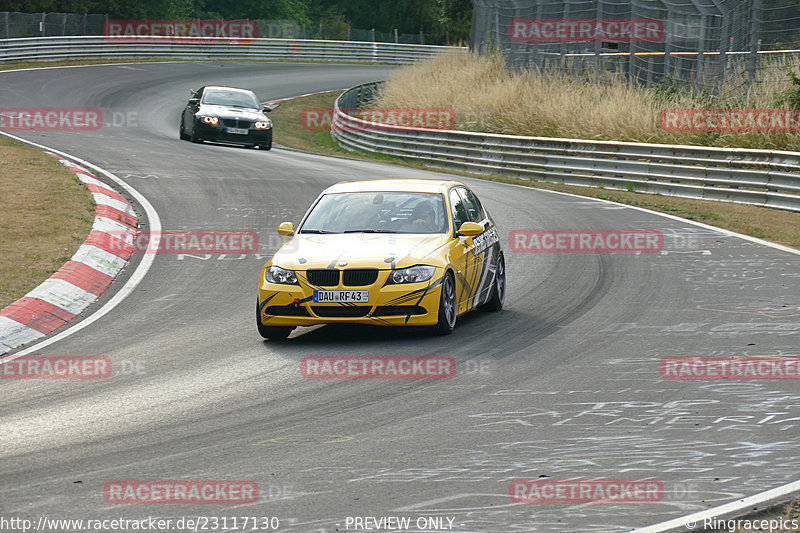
<point x="358" y="250"/>
<point x="223" y="111"/>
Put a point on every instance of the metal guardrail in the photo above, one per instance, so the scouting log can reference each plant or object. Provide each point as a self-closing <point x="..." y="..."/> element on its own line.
<point x="94" y="47"/>
<point x="758" y="177"/>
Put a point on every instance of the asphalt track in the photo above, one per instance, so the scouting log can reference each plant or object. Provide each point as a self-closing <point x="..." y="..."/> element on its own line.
<point x="563" y="383"/>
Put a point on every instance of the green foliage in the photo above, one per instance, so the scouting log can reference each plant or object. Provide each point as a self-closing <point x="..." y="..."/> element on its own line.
<point x="791" y="96"/>
<point x="442" y="21"/>
<point x="334" y="28"/>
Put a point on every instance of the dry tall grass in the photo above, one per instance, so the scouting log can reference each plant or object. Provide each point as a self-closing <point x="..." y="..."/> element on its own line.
<point x="489" y="97"/>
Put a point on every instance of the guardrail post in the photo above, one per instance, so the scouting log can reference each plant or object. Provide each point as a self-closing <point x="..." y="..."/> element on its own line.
<point x="755" y="42"/>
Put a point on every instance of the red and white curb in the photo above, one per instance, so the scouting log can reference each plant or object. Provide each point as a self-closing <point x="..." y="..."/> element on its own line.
<point x="82" y="279"/>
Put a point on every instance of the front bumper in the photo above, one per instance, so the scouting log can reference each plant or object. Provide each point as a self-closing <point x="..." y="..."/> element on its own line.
<point x="408" y="304"/>
<point x="218" y="133"/>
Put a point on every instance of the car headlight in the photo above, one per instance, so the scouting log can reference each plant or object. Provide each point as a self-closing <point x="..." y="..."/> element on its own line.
<point x="413" y="274"/>
<point x="263" y="125"/>
<point x="211" y="120"/>
<point x="276" y="274"/>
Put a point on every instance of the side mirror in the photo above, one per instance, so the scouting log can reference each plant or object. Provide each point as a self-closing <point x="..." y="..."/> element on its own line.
<point x="285" y="228"/>
<point x="266" y="109"/>
<point x="191" y="92"/>
<point x="470" y="229"/>
<point x="194" y="101"/>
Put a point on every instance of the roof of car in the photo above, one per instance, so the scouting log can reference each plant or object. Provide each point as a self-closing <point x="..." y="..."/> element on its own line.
<point x="389" y="185"/>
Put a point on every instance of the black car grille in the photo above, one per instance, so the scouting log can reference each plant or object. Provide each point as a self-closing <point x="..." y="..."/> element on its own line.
<point x="356" y="277"/>
<point x="236" y="123"/>
<point x="341" y="311"/>
<point x="399" y="310"/>
<point x="323" y="277"/>
<point x="286" y="310"/>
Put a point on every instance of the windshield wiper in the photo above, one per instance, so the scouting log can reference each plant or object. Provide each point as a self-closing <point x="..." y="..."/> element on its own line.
<point x="369" y="231"/>
<point x="316" y="231"/>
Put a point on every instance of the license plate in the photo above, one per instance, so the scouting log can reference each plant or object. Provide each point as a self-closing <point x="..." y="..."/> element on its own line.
<point x="341" y="297"/>
<point x="238" y="131"/>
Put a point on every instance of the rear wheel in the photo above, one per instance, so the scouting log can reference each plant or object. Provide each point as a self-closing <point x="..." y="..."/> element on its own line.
<point x="447" y="306"/>
<point x="271" y="332"/>
<point x="495" y="303"/>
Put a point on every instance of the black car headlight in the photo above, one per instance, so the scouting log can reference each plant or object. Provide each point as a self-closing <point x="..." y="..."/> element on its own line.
<point x="276" y="274"/>
<point x="413" y="274"/>
<point x="210" y="120"/>
<point x="263" y="124"/>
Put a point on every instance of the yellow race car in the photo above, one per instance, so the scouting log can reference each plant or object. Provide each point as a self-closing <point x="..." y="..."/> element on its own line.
<point x="392" y="252"/>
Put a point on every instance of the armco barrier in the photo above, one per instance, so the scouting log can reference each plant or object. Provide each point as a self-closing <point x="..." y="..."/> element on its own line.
<point x="99" y="47"/>
<point x="759" y="177"/>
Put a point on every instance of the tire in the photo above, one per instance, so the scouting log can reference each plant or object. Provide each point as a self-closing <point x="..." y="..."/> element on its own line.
<point x="268" y="143"/>
<point x="447" y="306"/>
<point x="194" y="137"/>
<point x="495" y="303"/>
<point x="182" y="133"/>
<point x="275" y="333"/>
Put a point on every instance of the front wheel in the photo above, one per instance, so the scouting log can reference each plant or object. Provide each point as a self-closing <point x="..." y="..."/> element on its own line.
<point x="267" y="143"/>
<point x="495" y="303"/>
<point x="182" y="133"/>
<point x="194" y="137"/>
<point x="271" y="332"/>
<point x="447" y="306"/>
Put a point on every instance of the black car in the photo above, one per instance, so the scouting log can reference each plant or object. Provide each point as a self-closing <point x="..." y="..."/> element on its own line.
<point x="227" y="115"/>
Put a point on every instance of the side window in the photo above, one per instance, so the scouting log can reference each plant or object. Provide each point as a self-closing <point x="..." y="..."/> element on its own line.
<point x="473" y="206"/>
<point x="460" y="214"/>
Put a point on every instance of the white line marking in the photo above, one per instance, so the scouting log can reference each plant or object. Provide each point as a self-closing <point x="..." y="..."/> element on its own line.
<point x="95" y="65"/>
<point x="683" y="523"/>
<point x="729" y="233"/>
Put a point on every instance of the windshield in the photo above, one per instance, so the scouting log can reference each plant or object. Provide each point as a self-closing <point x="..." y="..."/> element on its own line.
<point x="377" y="212"/>
<point x="230" y="98"/>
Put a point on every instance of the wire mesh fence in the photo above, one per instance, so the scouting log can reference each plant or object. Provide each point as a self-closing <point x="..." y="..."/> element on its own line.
<point x="721" y="46"/>
<point x="18" y="25"/>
